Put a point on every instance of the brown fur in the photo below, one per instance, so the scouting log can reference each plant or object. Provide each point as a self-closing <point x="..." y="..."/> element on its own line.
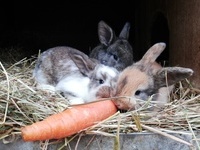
<point x="146" y="78"/>
<point x="125" y="84"/>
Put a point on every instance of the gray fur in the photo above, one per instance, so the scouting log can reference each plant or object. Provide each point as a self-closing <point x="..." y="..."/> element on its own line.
<point x="113" y="51"/>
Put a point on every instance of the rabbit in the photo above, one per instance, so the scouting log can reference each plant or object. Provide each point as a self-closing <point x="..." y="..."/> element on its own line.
<point x="113" y="51"/>
<point x="146" y="78"/>
<point x="71" y="72"/>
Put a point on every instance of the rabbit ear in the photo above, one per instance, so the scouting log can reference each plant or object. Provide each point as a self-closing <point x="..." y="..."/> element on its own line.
<point x="125" y="31"/>
<point x="153" y="52"/>
<point x="106" y="34"/>
<point x="84" y="63"/>
<point x="170" y="75"/>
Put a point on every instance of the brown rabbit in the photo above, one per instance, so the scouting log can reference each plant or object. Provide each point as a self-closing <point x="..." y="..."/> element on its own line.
<point x="147" y="78"/>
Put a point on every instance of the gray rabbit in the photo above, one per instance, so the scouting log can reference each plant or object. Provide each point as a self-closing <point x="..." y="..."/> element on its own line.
<point x="113" y="51"/>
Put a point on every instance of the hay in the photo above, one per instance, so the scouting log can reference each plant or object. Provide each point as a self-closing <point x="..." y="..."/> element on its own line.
<point x="22" y="104"/>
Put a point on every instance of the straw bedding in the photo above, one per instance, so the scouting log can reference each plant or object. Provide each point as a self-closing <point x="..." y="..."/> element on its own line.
<point x="22" y="104"/>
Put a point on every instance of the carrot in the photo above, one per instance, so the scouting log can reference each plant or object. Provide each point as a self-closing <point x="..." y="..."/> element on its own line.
<point x="69" y="121"/>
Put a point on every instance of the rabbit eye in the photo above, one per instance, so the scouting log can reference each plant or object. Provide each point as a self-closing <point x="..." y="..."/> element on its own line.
<point x="101" y="81"/>
<point x="115" y="57"/>
<point x="137" y="92"/>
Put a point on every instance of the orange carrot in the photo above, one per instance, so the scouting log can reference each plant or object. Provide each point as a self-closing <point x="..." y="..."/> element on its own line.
<point x="69" y="122"/>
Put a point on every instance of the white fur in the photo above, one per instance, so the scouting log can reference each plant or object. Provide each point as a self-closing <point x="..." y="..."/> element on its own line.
<point x="78" y="86"/>
<point x="46" y="87"/>
<point x="108" y="70"/>
<point x="164" y="95"/>
<point x="69" y="71"/>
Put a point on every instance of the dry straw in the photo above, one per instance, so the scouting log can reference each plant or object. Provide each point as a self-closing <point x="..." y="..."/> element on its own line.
<point x="22" y="104"/>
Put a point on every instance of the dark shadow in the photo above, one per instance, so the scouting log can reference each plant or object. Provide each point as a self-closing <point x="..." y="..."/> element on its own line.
<point x="160" y="33"/>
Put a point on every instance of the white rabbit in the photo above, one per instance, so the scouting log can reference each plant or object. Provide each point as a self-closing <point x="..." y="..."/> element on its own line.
<point x="113" y="51"/>
<point x="71" y="72"/>
<point x="147" y="78"/>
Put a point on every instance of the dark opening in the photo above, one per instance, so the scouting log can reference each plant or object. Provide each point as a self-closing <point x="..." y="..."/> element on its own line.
<point x="160" y="33"/>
